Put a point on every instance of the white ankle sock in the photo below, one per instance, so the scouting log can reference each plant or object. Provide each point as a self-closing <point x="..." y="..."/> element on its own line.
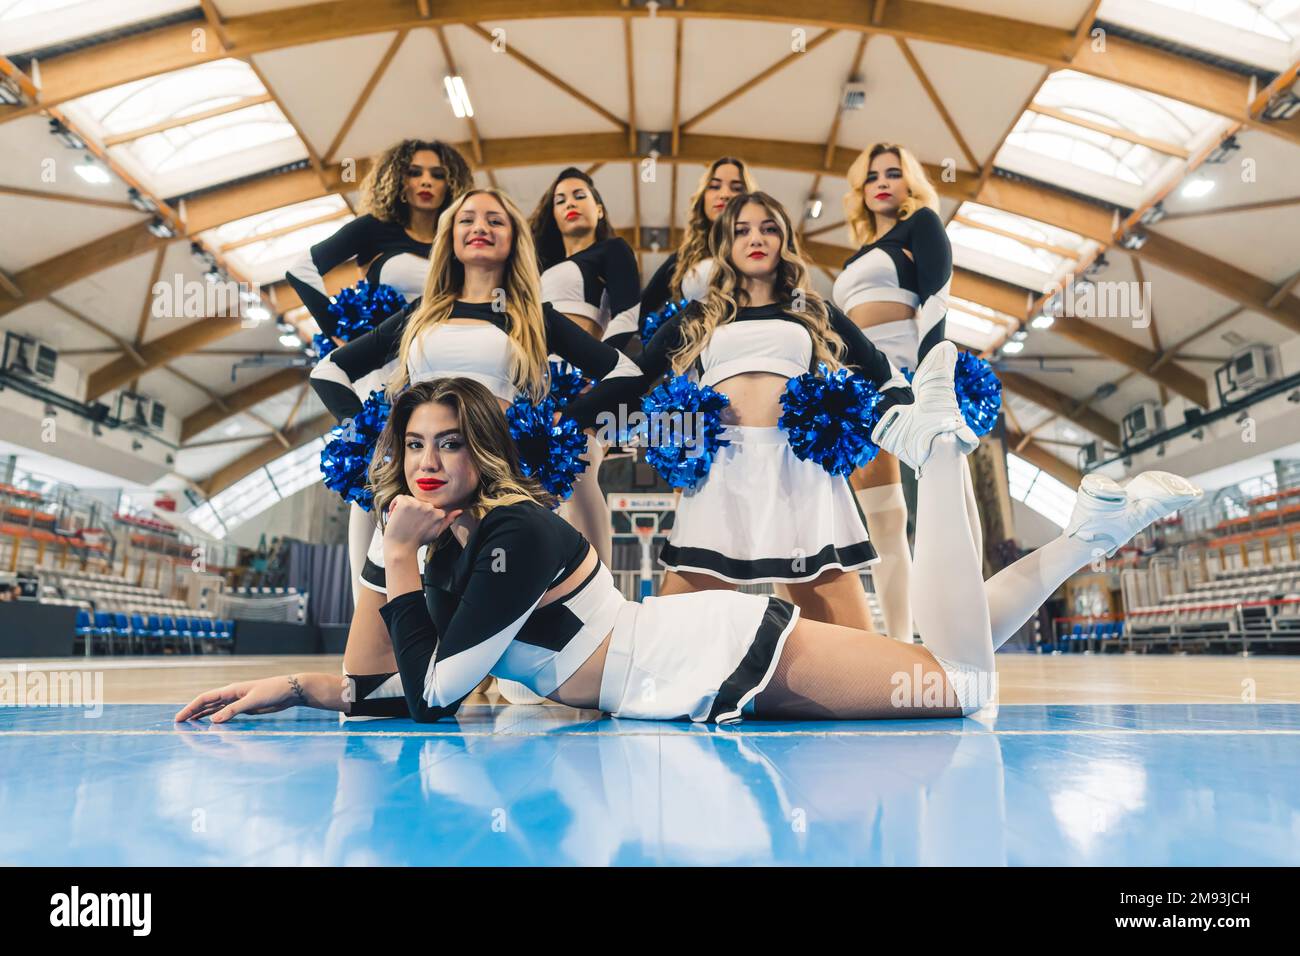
<point x="885" y="509"/>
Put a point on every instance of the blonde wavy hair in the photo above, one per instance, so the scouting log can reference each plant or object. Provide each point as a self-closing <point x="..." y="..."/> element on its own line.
<point x="793" y="287"/>
<point x="695" y="241"/>
<point x="487" y="436"/>
<point x="381" y="190"/>
<point x="523" y="300"/>
<point x="860" y="219"/>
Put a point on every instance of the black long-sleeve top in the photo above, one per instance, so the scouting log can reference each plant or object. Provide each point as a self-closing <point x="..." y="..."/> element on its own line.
<point x="478" y="612"/>
<point x="601" y="283"/>
<point x="486" y="358"/>
<point x="389" y="254"/>
<point x="883" y="271"/>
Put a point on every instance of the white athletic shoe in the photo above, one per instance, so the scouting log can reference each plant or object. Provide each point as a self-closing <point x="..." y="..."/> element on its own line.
<point x="517" y="693"/>
<point x="908" y="431"/>
<point x="1110" y="514"/>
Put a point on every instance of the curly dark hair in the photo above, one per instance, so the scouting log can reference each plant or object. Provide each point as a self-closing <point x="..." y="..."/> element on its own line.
<point x="381" y="190"/>
<point x="546" y="232"/>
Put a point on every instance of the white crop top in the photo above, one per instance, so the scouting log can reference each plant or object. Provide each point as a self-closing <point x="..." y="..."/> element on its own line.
<point x="780" y="347"/>
<point x="475" y="350"/>
<point x="696" y="281"/>
<point x="871" y="277"/>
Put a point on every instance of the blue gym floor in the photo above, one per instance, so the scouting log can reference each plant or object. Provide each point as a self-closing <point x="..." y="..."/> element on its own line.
<point x="1181" y="784"/>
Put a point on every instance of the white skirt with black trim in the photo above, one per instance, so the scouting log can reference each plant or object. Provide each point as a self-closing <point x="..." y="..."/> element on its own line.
<point x="762" y="514"/>
<point x="702" y="656"/>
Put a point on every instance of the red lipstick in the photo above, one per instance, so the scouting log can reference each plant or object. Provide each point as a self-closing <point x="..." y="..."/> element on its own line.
<point x="429" y="484"/>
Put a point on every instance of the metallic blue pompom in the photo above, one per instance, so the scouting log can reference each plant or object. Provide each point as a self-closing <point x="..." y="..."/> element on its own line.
<point x="547" y="452"/>
<point x="828" y="418"/>
<point x="323" y="345"/>
<point x="566" y="383"/>
<point x="345" y="460"/>
<point x="656" y="319"/>
<point x="979" y="393"/>
<point x="359" y="309"/>
<point x="682" y="453"/>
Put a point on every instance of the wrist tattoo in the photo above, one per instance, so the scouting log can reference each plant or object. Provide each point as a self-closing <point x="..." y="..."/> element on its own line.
<point x="297" y="690"/>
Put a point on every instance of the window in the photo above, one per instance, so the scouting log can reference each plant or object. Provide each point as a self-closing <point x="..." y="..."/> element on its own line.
<point x="1257" y="32"/>
<point x="27" y="25"/>
<point x="1051" y="498"/>
<point x="289" y="232"/>
<point x="238" y="130"/>
<point x="253" y="494"/>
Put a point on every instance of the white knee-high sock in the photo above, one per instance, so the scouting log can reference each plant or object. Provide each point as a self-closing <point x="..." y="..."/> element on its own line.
<point x="587" y="509"/>
<point x="951" y="608"/>
<point x="361" y="527"/>
<point x="972" y="509"/>
<point x="885" y="509"/>
<point x="1020" y="589"/>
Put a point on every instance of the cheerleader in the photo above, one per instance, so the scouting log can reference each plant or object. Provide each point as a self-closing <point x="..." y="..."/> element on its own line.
<point x="895" y="288"/>
<point x="687" y="270"/>
<point x="590" y="275"/>
<point x="761" y="514"/>
<point x="480" y="316"/>
<point x="511" y="589"/>
<point x="406" y="190"/>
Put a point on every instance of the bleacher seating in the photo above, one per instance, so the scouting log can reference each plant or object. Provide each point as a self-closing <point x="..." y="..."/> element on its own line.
<point x="1234" y="605"/>
<point x="114" y="613"/>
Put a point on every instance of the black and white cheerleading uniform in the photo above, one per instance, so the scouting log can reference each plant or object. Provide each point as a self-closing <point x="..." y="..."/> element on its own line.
<point x="702" y="656"/>
<point x="600" y="283"/>
<point x="761" y="513"/>
<point x="659" y="290"/>
<point x="480" y="350"/>
<point x="389" y="254"/>
<point x="882" y="271"/>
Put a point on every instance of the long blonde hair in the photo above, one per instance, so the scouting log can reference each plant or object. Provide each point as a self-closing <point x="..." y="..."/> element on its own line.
<point x="695" y="241"/>
<point x="487" y="436"/>
<point x="861" y="220"/>
<point x="523" y="300"/>
<point x="724" y="296"/>
<point x="381" y="190"/>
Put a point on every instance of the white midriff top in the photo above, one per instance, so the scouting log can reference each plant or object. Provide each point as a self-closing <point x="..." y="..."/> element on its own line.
<point x="477" y="350"/>
<point x="871" y="277"/>
<point x="777" y="346"/>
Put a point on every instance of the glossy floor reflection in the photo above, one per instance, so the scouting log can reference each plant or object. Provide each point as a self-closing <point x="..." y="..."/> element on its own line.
<point x="1182" y="784"/>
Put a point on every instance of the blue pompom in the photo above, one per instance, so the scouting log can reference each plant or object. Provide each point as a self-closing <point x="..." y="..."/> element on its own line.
<point x="323" y="345"/>
<point x="359" y="309"/>
<point x="345" y="460"/>
<point x="547" y="452"/>
<point x="671" y="406"/>
<point x="566" y="383"/>
<point x="979" y="393"/>
<point x="828" y="418"/>
<point x="656" y="319"/>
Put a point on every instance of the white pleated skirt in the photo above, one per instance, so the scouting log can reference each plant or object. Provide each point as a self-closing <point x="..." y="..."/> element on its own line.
<point x="701" y="656"/>
<point x="763" y="515"/>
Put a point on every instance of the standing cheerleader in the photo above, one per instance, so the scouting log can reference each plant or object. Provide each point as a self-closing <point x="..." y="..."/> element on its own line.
<point x="406" y="190"/>
<point x="550" y="616"/>
<point x="462" y="326"/>
<point x="590" y="275"/>
<point x="687" y="270"/>
<point x="894" y="288"/>
<point x="761" y="514"/>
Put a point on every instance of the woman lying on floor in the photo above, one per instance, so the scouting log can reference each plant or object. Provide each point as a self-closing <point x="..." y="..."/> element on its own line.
<point x="508" y="588"/>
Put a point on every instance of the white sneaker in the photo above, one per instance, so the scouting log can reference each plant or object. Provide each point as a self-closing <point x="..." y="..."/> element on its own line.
<point x="908" y="431"/>
<point x="517" y="693"/>
<point x="1110" y="514"/>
